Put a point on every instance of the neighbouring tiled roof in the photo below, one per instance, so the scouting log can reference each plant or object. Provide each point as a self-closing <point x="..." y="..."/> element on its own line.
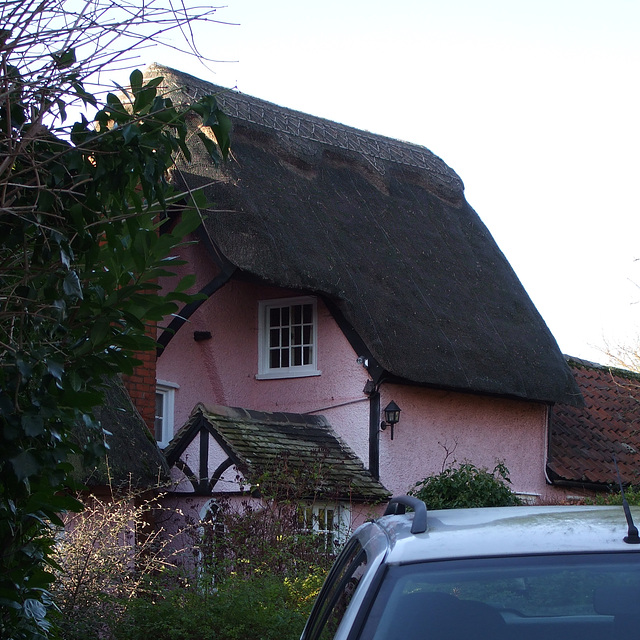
<point x="258" y="441"/>
<point x="583" y="441"/>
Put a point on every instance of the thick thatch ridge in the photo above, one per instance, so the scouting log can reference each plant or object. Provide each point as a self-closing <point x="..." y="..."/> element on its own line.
<point x="381" y="230"/>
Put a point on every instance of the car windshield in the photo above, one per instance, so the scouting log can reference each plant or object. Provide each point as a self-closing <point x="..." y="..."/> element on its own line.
<point x="568" y="596"/>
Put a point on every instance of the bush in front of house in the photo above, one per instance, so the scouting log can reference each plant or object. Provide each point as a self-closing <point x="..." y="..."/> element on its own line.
<point x="256" y="574"/>
<point x="116" y="581"/>
<point x="259" y="607"/>
<point x="104" y="559"/>
<point x="466" y="486"/>
<point x="167" y="611"/>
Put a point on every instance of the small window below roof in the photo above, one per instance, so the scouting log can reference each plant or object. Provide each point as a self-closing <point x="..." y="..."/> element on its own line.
<point x="165" y="397"/>
<point x="287" y="338"/>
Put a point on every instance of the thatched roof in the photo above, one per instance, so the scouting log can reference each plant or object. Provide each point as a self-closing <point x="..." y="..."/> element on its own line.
<point x="584" y="441"/>
<point x="133" y="460"/>
<point x="380" y="229"/>
<point x="260" y="442"/>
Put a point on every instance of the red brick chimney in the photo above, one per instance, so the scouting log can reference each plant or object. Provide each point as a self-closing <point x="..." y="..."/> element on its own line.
<point x="141" y="385"/>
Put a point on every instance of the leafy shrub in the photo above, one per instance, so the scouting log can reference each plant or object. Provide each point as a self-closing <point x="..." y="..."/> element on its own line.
<point x="613" y="496"/>
<point x="256" y="577"/>
<point x="261" y="607"/>
<point x="270" y="608"/>
<point x="168" y="612"/>
<point x="104" y="558"/>
<point x="467" y="486"/>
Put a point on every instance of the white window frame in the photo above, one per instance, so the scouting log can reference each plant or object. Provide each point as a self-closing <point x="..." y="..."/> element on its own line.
<point x="265" y="372"/>
<point x="168" y="391"/>
<point x="316" y="512"/>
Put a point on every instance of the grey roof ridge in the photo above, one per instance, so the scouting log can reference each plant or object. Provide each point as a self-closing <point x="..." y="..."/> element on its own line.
<point x="596" y="366"/>
<point x="302" y="125"/>
<point x="229" y="414"/>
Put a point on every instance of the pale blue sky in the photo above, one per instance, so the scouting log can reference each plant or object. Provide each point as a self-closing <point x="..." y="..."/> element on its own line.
<point x="534" y="103"/>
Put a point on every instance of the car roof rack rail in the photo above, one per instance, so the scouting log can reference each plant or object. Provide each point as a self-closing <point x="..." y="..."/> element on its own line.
<point x="398" y="505"/>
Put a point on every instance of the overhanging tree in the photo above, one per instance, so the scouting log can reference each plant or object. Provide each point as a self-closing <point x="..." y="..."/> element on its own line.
<point x="80" y="253"/>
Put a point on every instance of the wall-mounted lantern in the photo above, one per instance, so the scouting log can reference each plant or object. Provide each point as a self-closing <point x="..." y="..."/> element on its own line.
<point x="391" y="416"/>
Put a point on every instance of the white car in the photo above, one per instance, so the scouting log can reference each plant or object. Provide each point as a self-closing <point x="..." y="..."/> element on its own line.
<point x="506" y="573"/>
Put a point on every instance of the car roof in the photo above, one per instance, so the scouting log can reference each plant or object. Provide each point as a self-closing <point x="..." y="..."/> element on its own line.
<point x="501" y="531"/>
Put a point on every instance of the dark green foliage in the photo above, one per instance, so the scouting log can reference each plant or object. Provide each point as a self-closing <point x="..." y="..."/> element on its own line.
<point x="80" y="252"/>
<point x="613" y="496"/>
<point x="175" y="614"/>
<point x="256" y="577"/>
<point x="263" y="607"/>
<point x="467" y="486"/>
<point x="269" y="609"/>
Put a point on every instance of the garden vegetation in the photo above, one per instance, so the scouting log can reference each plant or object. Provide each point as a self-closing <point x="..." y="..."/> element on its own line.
<point x="465" y="485"/>
<point x="249" y="571"/>
<point x="81" y="201"/>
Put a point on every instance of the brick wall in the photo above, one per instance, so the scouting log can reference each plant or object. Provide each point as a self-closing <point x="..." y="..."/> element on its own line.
<point x="142" y="387"/>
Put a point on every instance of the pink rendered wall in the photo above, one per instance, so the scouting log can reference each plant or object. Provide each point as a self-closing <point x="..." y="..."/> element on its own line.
<point x="222" y="371"/>
<point x="479" y="429"/>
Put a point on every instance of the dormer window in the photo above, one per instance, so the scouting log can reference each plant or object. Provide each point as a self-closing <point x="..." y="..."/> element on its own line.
<point x="287" y="331"/>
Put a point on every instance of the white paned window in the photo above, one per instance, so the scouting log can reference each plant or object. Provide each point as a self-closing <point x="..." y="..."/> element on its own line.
<point x="163" y="426"/>
<point x="331" y="521"/>
<point x="287" y="338"/>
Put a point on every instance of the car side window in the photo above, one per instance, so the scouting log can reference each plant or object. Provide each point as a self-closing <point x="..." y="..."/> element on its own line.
<point x="336" y="593"/>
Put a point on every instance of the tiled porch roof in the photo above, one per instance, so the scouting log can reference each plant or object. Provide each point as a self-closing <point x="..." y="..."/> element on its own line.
<point x="257" y="441"/>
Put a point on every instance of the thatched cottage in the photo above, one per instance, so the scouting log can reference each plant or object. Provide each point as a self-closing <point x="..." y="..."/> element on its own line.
<point x="344" y="273"/>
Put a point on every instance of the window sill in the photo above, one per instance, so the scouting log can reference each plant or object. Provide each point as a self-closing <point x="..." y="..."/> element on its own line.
<point x="278" y="375"/>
